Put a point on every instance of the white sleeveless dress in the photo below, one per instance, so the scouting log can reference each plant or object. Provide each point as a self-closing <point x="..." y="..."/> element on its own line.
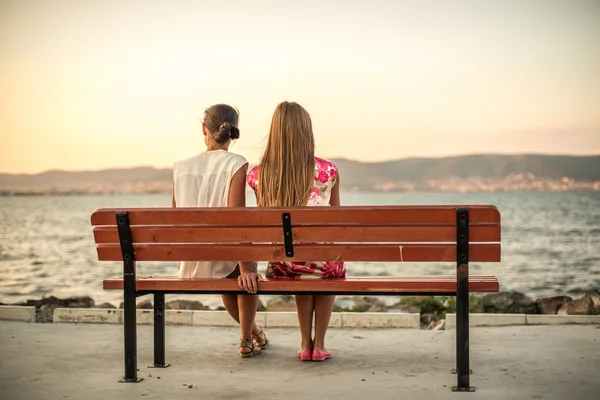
<point x="203" y="181"/>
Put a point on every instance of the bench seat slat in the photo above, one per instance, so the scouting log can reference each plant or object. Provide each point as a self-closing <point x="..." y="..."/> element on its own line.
<point x="373" y="285"/>
<point x="400" y="252"/>
<point x="252" y="216"/>
<point x="318" y="233"/>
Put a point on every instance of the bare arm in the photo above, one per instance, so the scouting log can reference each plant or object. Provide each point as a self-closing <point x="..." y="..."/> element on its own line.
<point x="237" y="198"/>
<point x="173" y="197"/>
<point x="335" y="192"/>
<point x="237" y="188"/>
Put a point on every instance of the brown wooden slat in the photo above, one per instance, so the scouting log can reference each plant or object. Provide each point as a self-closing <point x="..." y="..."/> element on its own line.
<point x="367" y="285"/>
<point x="321" y="252"/>
<point x="252" y="216"/>
<point x="320" y="233"/>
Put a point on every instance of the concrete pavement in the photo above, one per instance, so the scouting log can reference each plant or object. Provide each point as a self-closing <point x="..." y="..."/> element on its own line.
<point x="68" y="361"/>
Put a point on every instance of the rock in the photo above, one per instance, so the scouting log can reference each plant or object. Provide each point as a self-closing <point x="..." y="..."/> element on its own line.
<point x="441" y="325"/>
<point x="427" y="319"/>
<point x="72" y="302"/>
<point x="509" y="303"/>
<point x="552" y="304"/>
<point x="282" y="303"/>
<point x="595" y="295"/>
<point x="369" y="304"/>
<point x="145" y="305"/>
<point x="142" y="305"/>
<point x="45" y="313"/>
<point x="185" y="305"/>
<point x="436" y="325"/>
<point x="583" y="306"/>
<point x="104" y="305"/>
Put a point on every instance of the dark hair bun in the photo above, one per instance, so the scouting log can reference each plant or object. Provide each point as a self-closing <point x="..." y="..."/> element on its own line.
<point x="234" y="132"/>
<point x="228" y="131"/>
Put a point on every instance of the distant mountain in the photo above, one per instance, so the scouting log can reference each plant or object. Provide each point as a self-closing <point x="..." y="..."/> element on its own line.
<point x="83" y="177"/>
<point x="470" y="167"/>
<point x="472" y="172"/>
<point x="122" y="179"/>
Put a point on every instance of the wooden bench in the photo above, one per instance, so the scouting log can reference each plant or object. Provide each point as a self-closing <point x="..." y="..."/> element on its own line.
<point x="454" y="234"/>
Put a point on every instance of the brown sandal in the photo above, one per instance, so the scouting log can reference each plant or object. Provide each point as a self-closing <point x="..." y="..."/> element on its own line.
<point x="249" y="344"/>
<point x="260" y="340"/>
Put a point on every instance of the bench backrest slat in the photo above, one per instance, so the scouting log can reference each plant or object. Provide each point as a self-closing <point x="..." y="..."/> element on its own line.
<point x="252" y="216"/>
<point x="316" y="233"/>
<point x="487" y="252"/>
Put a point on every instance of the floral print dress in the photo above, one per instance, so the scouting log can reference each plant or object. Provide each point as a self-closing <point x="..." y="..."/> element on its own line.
<point x="325" y="178"/>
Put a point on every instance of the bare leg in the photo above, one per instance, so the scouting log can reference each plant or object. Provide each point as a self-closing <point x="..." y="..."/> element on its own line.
<point x="323" y="308"/>
<point x="230" y="302"/>
<point x="247" y="304"/>
<point x="305" y="305"/>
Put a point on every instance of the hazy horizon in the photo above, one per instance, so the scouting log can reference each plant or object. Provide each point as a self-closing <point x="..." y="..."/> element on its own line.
<point x="163" y="167"/>
<point x="118" y="84"/>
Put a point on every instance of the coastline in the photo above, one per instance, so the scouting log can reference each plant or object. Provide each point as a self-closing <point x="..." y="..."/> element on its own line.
<point x="424" y="312"/>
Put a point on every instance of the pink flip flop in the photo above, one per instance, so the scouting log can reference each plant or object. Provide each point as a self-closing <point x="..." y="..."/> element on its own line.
<point x="305" y="355"/>
<point x="320" y="355"/>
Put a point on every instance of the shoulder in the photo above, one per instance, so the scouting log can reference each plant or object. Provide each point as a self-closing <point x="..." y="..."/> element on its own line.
<point x="325" y="171"/>
<point x="324" y="164"/>
<point x="236" y="161"/>
<point x="252" y="177"/>
<point x="237" y="157"/>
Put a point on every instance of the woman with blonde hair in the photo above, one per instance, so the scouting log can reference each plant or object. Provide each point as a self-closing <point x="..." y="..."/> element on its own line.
<point x="216" y="178"/>
<point x="289" y="175"/>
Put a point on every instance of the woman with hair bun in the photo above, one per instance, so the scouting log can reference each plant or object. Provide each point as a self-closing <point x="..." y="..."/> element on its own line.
<point x="216" y="178"/>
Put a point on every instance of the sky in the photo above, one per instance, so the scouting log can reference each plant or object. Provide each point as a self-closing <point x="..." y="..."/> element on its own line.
<point x="88" y="85"/>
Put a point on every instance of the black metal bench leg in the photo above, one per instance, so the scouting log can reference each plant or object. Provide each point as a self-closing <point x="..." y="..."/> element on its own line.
<point x="462" y="338"/>
<point x="159" y="331"/>
<point x="130" y="334"/>
<point x="129" y="297"/>
<point x="462" y="302"/>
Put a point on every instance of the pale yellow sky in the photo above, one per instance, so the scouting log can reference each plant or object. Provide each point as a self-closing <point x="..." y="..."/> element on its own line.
<point x="90" y="85"/>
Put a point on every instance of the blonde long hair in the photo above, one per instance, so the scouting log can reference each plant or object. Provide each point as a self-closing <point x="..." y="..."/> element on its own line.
<point x="287" y="167"/>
